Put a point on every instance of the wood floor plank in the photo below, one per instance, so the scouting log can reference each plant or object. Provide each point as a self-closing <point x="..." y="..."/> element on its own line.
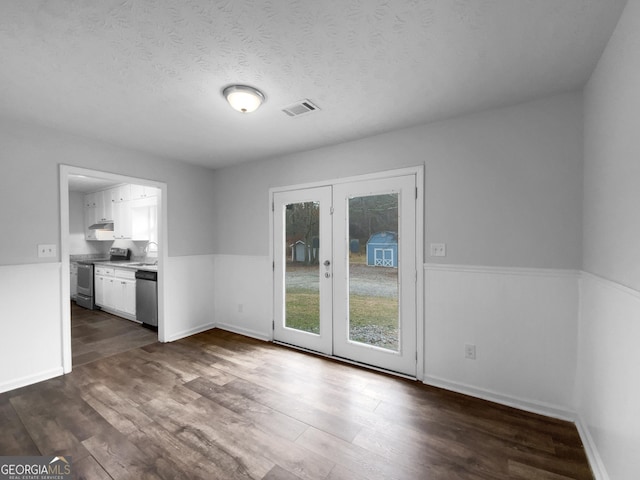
<point x="15" y="438"/>
<point x="342" y="473"/>
<point x="353" y="457"/>
<point x="122" y="459"/>
<point x="340" y="426"/>
<point x="279" y="473"/>
<point x="89" y="469"/>
<point x="119" y="412"/>
<point x="519" y="471"/>
<point x="155" y="441"/>
<point x="440" y="457"/>
<point x="270" y="420"/>
<point x="255" y="442"/>
<point x="202" y="435"/>
<point x="468" y="421"/>
<point x="50" y="436"/>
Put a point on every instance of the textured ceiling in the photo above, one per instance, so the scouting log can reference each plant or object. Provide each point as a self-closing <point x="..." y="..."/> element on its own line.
<point x="147" y="74"/>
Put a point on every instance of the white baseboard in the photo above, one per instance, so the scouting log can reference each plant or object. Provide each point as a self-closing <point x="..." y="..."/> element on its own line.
<point x="519" y="403"/>
<point x="31" y="379"/>
<point x="191" y="331"/>
<point x="244" y="331"/>
<point x="595" y="461"/>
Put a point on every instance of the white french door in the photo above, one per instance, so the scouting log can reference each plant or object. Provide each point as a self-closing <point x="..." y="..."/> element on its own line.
<point x="302" y="289"/>
<point x="345" y="271"/>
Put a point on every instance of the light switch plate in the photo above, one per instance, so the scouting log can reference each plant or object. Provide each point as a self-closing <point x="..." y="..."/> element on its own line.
<point x="438" y="249"/>
<point x="47" y="250"/>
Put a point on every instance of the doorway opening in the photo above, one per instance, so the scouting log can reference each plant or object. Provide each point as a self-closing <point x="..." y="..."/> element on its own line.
<point x="90" y="236"/>
<point x="346" y="257"/>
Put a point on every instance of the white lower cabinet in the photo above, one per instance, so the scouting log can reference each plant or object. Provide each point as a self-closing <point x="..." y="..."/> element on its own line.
<point x="115" y="290"/>
<point x="126" y="296"/>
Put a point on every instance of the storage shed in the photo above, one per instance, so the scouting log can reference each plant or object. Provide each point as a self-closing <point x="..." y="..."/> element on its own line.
<point x="382" y="250"/>
<point x="298" y="251"/>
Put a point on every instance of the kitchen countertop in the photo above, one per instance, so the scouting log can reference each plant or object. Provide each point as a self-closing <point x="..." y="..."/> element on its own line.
<point x="129" y="265"/>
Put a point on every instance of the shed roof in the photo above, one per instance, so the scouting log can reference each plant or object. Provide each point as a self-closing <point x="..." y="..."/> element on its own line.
<point x="384" y="237"/>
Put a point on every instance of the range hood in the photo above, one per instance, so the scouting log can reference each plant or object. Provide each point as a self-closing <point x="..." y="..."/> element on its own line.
<point x="106" y="225"/>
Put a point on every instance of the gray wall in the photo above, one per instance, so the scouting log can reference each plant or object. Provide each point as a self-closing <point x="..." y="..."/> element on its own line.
<point x="503" y="187"/>
<point x="609" y="329"/>
<point x="612" y="158"/>
<point x="29" y="189"/>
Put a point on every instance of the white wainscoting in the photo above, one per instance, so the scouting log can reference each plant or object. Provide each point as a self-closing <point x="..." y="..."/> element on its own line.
<point x="189" y="301"/>
<point x="30" y="316"/>
<point x="243" y="295"/>
<point x="523" y="323"/>
<point x="609" y="377"/>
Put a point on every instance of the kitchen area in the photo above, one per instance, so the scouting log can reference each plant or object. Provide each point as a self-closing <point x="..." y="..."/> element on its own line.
<point x="113" y="253"/>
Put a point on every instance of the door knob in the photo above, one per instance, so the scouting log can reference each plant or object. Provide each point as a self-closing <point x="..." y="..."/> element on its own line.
<point x="327" y="263"/>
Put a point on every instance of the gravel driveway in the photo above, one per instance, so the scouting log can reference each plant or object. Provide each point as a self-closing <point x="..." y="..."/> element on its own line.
<point x="364" y="280"/>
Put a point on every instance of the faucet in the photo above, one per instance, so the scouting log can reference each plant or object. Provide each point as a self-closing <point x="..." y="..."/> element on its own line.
<point x="146" y="250"/>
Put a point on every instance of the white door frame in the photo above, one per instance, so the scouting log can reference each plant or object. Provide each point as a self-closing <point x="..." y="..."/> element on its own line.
<point x="418" y="171"/>
<point x="65" y="171"/>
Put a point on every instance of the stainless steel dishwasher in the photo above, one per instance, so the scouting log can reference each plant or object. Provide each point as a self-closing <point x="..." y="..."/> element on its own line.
<point x="147" y="298"/>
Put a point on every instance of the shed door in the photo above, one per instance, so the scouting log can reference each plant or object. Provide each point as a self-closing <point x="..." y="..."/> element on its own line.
<point x="383" y="257"/>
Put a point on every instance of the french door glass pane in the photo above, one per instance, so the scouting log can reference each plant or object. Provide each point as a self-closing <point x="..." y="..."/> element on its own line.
<point x="373" y="271"/>
<point x="302" y="269"/>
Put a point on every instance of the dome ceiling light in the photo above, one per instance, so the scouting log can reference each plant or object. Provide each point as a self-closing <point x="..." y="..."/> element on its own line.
<point x="243" y="98"/>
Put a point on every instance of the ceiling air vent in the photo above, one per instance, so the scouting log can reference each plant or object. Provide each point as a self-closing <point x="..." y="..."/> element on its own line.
<point x="303" y="107"/>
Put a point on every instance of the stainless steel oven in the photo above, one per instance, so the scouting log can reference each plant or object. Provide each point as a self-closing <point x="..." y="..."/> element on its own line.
<point x="86" y="293"/>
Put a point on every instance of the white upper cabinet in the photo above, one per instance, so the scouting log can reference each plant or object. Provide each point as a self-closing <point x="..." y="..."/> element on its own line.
<point x="89" y="216"/>
<point x="90" y="200"/>
<point x="122" y="220"/>
<point x="104" y="210"/>
<point x="97" y="209"/>
<point x="132" y="208"/>
<point x="121" y="204"/>
<point x="142" y="191"/>
<point x="120" y="194"/>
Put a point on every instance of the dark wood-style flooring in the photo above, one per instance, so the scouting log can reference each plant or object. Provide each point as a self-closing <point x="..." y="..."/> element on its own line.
<point x="221" y="406"/>
<point x="96" y="334"/>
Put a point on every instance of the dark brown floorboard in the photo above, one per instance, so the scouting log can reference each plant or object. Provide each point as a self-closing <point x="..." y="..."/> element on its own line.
<point x="96" y="334"/>
<point x="222" y="406"/>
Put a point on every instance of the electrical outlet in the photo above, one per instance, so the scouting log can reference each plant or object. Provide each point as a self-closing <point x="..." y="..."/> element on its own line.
<point x="470" y="351"/>
<point x="47" y="251"/>
<point x="438" y="249"/>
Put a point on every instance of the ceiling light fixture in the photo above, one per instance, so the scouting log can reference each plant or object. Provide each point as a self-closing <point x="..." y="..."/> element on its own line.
<point x="243" y="98"/>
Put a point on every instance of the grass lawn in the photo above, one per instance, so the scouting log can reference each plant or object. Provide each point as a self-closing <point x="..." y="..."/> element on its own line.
<point x="303" y="310"/>
<point x="303" y="307"/>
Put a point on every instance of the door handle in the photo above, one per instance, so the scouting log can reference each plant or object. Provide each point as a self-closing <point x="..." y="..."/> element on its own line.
<point x="327" y="263"/>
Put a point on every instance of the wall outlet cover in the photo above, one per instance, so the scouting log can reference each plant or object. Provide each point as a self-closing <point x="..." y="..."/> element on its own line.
<point x="470" y="351"/>
<point x="47" y="250"/>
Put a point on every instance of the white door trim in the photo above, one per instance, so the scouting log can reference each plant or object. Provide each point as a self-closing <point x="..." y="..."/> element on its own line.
<point x="418" y="171"/>
<point x="65" y="171"/>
